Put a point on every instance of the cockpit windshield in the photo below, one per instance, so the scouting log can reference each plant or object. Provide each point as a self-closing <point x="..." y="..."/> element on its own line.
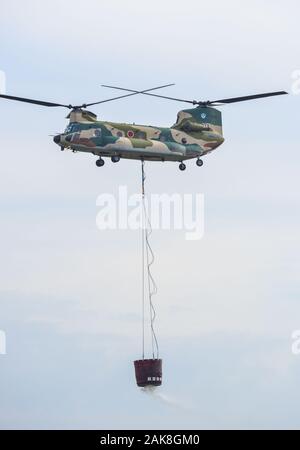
<point x="72" y="128"/>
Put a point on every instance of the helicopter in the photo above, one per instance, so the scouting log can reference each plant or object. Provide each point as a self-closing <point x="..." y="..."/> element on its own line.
<point x="196" y="132"/>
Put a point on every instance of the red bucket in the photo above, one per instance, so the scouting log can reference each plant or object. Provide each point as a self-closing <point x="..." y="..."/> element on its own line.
<point x="148" y="372"/>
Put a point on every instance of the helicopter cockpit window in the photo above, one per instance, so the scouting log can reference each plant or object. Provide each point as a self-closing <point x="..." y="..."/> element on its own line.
<point x="97" y="132"/>
<point x="72" y="128"/>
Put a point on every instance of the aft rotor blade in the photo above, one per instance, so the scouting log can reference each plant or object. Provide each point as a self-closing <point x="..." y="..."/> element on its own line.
<point x="206" y="103"/>
<point x="248" y="97"/>
<point x="127" y="95"/>
<point x="35" y="102"/>
<point x="146" y="92"/>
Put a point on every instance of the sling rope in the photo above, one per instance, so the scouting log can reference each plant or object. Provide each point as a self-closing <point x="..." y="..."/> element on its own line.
<point x="147" y="262"/>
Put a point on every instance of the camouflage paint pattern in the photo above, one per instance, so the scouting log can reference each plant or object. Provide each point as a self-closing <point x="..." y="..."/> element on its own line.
<point x="196" y="132"/>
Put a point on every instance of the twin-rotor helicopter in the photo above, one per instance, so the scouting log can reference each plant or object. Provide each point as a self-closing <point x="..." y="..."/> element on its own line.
<point x="197" y="130"/>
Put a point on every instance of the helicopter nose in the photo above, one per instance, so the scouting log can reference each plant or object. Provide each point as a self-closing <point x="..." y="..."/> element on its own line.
<point x="56" y="139"/>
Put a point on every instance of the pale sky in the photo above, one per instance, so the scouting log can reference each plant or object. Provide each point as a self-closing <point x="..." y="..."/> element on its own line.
<point x="70" y="295"/>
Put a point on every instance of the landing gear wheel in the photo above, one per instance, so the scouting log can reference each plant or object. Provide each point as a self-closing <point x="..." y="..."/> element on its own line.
<point x="199" y="162"/>
<point x="182" y="166"/>
<point x="115" y="159"/>
<point x="100" y="162"/>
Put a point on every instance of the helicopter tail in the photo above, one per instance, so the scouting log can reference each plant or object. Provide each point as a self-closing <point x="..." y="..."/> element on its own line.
<point x="200" y="119"/>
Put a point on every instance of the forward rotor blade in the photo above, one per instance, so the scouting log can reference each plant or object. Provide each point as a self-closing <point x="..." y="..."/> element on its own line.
<point x="248" y="97"/>
<point x="145" y="92"/>
<point x="35" y="102"/>
<point x="51" y="104"/>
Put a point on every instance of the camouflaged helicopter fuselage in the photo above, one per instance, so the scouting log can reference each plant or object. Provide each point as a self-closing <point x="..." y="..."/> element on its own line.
<point x="196" y="132"/>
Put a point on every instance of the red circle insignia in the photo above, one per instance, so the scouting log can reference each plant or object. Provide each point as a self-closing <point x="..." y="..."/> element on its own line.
<point x="130" y="133"/>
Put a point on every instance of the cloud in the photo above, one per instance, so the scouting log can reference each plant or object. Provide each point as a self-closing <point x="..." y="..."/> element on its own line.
<point x="205" y="39"/>
<point x="229" y="380"/>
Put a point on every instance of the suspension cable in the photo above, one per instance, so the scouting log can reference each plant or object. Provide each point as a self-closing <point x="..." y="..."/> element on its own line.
<point x="147" y="261"/>
<point x="143" y="268"/>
